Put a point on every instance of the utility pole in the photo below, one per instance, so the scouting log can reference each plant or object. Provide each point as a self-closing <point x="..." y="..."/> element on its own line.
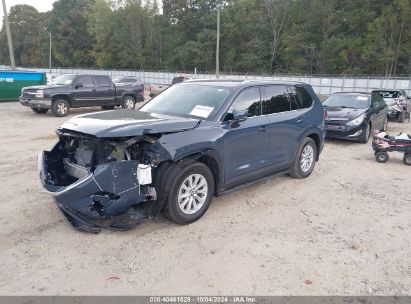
<point x="217" y="51"/>
<point x="10" y="43"/>
<point x="49" y="51"/>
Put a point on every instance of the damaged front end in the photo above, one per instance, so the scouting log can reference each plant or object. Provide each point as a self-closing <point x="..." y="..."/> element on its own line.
<point x="102" y="182"/>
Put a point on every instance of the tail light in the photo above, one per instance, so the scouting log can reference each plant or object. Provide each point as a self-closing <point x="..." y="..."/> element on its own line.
<point x="325" y="115"/>
<point x="150" y="88"/>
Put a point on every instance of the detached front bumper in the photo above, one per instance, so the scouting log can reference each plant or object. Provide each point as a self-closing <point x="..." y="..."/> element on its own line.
<point x="38" y="103"/>
<point x="109" y="197"/>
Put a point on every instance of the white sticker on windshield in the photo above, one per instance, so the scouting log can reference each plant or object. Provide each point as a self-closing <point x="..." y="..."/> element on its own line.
<point x="362" y="98"/>
<point x="202" y="111"/>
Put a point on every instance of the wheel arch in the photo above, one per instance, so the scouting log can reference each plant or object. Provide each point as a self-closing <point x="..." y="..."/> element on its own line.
<point x="62" y="96"/>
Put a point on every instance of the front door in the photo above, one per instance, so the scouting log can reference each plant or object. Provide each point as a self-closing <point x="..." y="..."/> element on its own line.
<point x="245" y="143"/>
<point x="84" y="92"/>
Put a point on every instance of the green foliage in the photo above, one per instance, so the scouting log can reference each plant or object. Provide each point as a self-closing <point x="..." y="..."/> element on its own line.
<point x="336" y="37"/>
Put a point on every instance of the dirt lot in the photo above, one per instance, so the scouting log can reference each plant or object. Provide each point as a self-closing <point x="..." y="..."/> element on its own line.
<point x="346" y="230"/>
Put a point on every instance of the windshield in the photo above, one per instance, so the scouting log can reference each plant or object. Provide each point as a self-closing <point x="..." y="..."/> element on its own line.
<point x="63" y="80"/>
<point x="189" y="100"/>
<point x="348" y="101"/>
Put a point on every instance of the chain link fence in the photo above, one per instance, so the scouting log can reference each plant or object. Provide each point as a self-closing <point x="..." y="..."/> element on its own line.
<point x="321" y="85"/>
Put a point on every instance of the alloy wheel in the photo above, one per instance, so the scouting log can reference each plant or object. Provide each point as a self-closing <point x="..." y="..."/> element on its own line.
<point x="129" y="103"/>
<point x="62" y="108"/>
<point x="192" y="193"/>
<point x="307" y="158"/>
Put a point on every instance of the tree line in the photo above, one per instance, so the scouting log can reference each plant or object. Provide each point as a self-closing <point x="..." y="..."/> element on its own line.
<point x="327" y="37"/>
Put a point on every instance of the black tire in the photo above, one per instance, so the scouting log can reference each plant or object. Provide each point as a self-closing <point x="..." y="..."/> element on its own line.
<point x="173" y="210"/>
<point x="107" y="107"/>
<point x="128" y="102"/>
<point x="297" y="171"/>
<point x="39" y="111"/>
<point x="401" y="117"/>
<point x="60" y="107"/>
<point x="366" y="134"/>
<point x="407" y="159"/>
<point x="382" y="157"/>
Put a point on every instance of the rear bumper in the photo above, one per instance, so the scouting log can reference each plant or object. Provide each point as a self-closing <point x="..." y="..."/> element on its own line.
<point x="43" y="103"/>
<point x="109" y="197"/>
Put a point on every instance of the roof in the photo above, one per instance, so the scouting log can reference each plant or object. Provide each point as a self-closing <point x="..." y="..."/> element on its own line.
<point x="236" y="82"/>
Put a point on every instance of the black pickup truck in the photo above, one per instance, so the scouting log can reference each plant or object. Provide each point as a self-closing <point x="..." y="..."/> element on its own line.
<point x="75" y="91"/>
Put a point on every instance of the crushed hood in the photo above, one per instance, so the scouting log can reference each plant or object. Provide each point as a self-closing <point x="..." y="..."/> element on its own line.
<point x="126" y="123"/>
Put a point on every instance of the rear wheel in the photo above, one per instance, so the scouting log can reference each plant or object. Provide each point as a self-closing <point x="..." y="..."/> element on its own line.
<point x="60" y="107"/>
<point x="305" y="160"/>
<point x="39" y="111"/>
<point x="191" y="193"/>
<point x="128" y="102"/>
<point x="407" y="159"/>
<point x="382" y="157"/>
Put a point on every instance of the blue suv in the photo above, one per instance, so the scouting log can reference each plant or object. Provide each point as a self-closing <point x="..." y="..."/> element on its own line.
<point x="195" y="140"/>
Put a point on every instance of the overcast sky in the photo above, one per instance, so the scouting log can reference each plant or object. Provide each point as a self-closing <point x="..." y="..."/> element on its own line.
<point x="40" y="5"/>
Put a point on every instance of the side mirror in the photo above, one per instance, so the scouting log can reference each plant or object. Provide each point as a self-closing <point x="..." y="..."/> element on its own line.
<point x="240" y="115"/>
<point x="78" y="85"/>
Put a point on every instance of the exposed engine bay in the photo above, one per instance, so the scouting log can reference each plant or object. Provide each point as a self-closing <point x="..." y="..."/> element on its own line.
<point x="103" y="182"/>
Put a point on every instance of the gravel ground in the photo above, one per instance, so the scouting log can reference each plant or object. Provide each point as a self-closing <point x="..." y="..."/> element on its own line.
<point x="345" y="230"/>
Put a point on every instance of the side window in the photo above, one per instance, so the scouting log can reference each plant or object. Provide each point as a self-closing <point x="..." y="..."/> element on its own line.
<point x="102" y="81"/>
<point x="275" y="99"/>
<point x="248" y="99"/>
<point x="87" y="81"/>
<point x="303" y="99"/>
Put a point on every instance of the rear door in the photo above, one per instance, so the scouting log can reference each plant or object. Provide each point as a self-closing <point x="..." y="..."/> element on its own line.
<point x="378" y="111"/>
<point x="105" y="90"/>
<point x="285" y="124"/>
<point x="84" y="91"/>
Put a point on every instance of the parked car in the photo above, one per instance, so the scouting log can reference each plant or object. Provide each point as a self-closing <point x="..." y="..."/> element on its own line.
<point x="192" y="142"/>
<point x="75" y="91"/>
<point x="398" y="102"/>
<point x="156" y="89"/>
<point x="353" y="115"/>
<point x="128" y="81"/>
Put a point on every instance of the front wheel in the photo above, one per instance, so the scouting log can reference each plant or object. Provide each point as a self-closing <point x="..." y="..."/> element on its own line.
<point x="191" y="194"/>
<point x="366" y="134"/>
<point x="407" y="159"/>
<point x="60" y="107"/>
<point x="128" y="102"/>
<point x="382" y="157"/>
<point x="305" y="160"/>
<point x="39" y="111"/>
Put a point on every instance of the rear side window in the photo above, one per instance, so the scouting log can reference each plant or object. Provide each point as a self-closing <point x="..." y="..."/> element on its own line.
<point x="87" y="81"/>
<point x="275" y="99"/>
<point x="102" y="81"/>
<point x="248" y="99"/>
<point x="301" y="96"/>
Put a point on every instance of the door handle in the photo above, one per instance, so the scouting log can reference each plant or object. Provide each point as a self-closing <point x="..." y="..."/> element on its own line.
<point x="300" y="120"/>
<point x="262" y="129"/>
